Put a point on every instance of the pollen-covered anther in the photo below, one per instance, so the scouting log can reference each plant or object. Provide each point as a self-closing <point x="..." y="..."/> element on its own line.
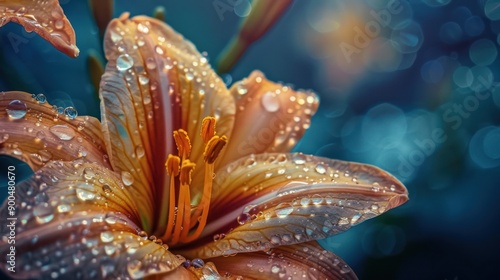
<point x="183" y="143"/>
<point x="186" y="171"/>
<point x="172" y="165"/>
<point x="207" y="129"/>
<point x="213" y="148"/>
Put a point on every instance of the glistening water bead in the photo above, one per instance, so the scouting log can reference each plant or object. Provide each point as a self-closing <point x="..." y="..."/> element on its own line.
<point x="16" y="109"/>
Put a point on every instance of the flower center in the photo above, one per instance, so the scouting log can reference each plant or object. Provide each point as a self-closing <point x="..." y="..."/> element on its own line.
<point x="186" y="222"/>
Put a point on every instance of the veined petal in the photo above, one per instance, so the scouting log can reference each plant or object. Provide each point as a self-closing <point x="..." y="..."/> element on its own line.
<point x="302" y="261"/>
<point x="270" y="200"/>
<point x="46" y="18"/>
<point x="76" y="220"/>
<point x="36" y="132"/>
<point x="156" y="82"/>
<point x="270" y="117"/>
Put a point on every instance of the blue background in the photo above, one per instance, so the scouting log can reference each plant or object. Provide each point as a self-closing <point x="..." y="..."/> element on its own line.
<point x="391" y="106"/>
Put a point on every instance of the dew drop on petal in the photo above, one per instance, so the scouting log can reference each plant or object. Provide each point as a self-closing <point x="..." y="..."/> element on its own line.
<point x="283" y="209"/>
<point x="270" y="102"/>
<point x="197" y="263"/>
<point x="127" y="178"/>
<point x="139" y="151"/>
<point x="71" y="112"/>
<point x="243" y="218"/>
<point x="40" y="98"/>
<point x="84" y="195"/>
<point x="16" y="109"/>
<point x="107" y="236"/>
<point x="43" y="213"/>
<point x="124" y="62"/>
<point x="88" y="173"/>
<point x="63" y="132"/>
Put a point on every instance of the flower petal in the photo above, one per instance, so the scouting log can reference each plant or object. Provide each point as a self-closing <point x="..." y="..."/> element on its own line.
<point x="46" y="18"/>
<point x="270" y="117"/>
<point x="76" y="220"/>
<point x="156" y="82"/>
<point x="35" y="132"/>
<point x="303" y="261"/>
<point x="269" y="200"/>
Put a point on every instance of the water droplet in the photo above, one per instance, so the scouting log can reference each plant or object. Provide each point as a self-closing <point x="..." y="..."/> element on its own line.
<point x="127" y="178"/>
<point x="304" y="201"/>
<point x="316" y="199"/>
<point x="63" y="132"/>
<point x="150" y="63"/>
<point x="143" y="28"/>
<point x="243" y="218"/>
<point x="107" y="236"/>
<point x="43" y="213"/>
<point x="355" y="218"/>
<point x="159" y="50"/>
<point x="88" y="173"/>
<point x="299" y="159"/>
<point x="40" y="98"/>
<point x="283" y="210"/>
<point x="275" y="240"/>
<point x="197" y="263"/>
<point x="241" y="89"/>
<point x="71" y="112"/>
<point x="16" y="109"/>
<point x="63" y="208"/>
<point x="320" y="168"/>
<point x="143" y="80"/>
<point x="270" y="102"/>
<point x="139" y="151"/>
<point x="85" y="195"/>
<point x="124" y="62"/>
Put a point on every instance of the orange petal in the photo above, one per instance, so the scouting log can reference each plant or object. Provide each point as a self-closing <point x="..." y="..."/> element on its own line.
<point x="156" y="82"/>
<point x="77" y="220"/>
<point x="46" y="18"/>
<point x="262" y="17"/>
<point x="271" y="200"/>
<point x="270" y="117"/>
<point x="303" y="261"/>
<point x="37" y="133"/>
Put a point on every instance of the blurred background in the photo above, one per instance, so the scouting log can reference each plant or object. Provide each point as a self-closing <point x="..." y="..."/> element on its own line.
<point x="409" y="86"/>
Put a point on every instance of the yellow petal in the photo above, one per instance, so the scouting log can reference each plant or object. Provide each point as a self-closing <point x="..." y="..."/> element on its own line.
<point x="270" y="117"/>
<point x="76" y="220"/>
<point x="271" y="200"/>
<point x="46" y="18"/>
<point x="302" y="261"/>
<point x="156" y="82"/>
<point x="35" y="132"/>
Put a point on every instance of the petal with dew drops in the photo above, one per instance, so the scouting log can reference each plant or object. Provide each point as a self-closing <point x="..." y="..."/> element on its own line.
<point x="302" y="261"/>
<point x="35" y="132"/>
<point x="270" y="200"/>
<point x="77" y="220"/>
<point x="46" y="18"/>
<point x="156" y="82"/>
<point x="271" y="117"/>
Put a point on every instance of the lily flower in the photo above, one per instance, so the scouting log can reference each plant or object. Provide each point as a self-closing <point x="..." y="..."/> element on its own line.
<point x="181" y="178"/>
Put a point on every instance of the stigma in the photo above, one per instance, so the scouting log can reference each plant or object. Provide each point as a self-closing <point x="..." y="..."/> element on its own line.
<point x="185" y="222"/>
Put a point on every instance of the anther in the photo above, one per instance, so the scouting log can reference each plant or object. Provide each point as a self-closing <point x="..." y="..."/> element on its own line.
<point x="186" y="171"/>
<point x="183" y="143"/>
<point x="213" y="148"/>
<point x="173" y="165"/>
<point x="207" y="129"/>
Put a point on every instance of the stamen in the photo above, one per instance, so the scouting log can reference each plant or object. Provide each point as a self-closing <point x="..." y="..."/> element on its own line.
<point x="184" y="203"/>
<point x="182" y="224"/>
<point x="183" y="143"/>
<point x="173" y="168"/>
<point x="207" y="129"/>
<point x="213" y="148"/>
